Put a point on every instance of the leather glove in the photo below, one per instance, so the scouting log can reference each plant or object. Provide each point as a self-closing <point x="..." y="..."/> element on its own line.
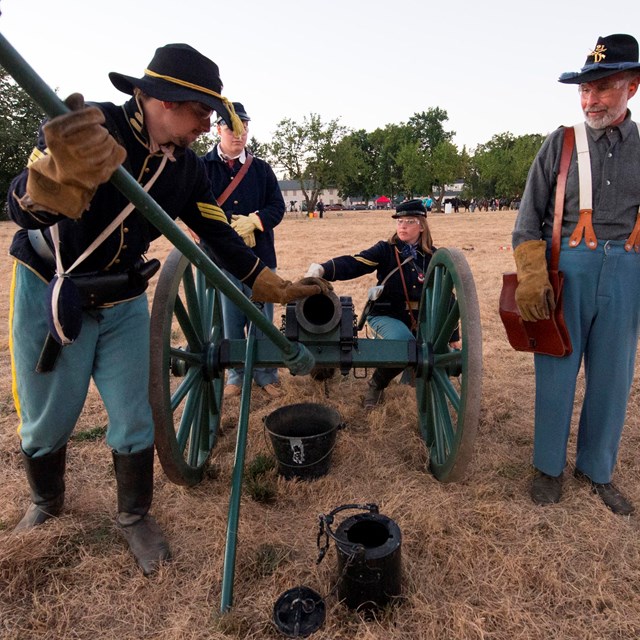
<point x="249" y="239"/>
<point x="534" y="294"/>
<point x="81" y="156"/>
<point x="269" y="287"/>
<point x="325" y="285"/>
<point x="315" y="270"/>
<point x="244" y="225"/>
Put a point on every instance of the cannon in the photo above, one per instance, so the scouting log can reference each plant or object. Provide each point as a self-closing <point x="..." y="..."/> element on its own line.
<point x="189" y="352"/>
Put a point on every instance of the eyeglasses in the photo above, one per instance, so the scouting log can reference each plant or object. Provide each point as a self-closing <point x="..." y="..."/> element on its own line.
<point x="201" y="111"/>
<point x="600" y="89"/>
<point x="407" y="223"/>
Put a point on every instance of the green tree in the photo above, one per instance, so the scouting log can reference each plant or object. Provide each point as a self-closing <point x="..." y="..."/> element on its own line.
<point x="20" y="118"/>
<point x="415" y="167"/>
<point x="387" y="148"/>
<point x="306" y="153"/>
<point x="259" y="149"/>
<point x="430" y="160"/>
<point x="354" y="166"/>
<point x="204" y="143"/>
<point x="499" y="167"/>
<point x="446" y="166"/>
<point x="427" y="129"/>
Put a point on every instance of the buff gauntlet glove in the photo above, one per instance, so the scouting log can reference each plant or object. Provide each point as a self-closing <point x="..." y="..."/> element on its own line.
<point x="269" y="287"/>
<point x="534" y="294"/>
<point x="245" y="227"/>
<point x="81" y="155"/>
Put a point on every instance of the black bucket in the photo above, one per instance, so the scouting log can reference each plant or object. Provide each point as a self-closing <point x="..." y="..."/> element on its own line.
<point x="369" y="560"/>
<point x="303" y="437"/>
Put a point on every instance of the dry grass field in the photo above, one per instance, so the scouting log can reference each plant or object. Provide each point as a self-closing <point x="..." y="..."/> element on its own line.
<point x="480" y="561"/>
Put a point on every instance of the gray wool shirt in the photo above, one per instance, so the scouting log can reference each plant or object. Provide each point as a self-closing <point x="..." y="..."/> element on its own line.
<point x="615" y="174"/>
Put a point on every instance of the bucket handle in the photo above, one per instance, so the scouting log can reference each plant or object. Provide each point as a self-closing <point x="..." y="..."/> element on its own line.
<point x="324" y="528"/>
<point x="339" y="426"/>
<point x="303" y="466"/>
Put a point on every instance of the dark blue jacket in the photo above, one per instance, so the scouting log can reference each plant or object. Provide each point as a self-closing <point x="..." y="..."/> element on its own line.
<point x="381" y="258"/>
<point x="183" y="190"/>
<point x="258" y="192"/>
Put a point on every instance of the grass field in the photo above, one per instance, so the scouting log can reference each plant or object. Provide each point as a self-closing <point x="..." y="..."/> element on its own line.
<point x="480" y="561"/>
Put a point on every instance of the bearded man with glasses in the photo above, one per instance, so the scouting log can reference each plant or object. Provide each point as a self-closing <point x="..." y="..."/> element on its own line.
<point x="601" y="275"/>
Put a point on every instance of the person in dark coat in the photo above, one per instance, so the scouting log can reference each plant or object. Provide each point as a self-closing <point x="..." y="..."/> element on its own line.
<point x="403" y="259"/>
<point x="254" y="208"/>
<point x="70" y="216"/>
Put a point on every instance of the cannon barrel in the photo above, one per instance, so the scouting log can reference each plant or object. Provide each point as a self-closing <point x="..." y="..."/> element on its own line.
<point x="324" y="320"/>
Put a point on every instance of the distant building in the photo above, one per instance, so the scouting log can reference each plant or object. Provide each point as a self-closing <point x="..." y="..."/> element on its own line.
<point x="455" y="188"/>
<point x="291" y="192"/>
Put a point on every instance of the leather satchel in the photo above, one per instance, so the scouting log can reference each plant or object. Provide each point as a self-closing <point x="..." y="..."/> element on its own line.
<point x="549" y="337"/>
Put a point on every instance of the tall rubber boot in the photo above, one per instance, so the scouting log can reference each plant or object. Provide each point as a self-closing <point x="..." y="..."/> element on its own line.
<point x="45" y="475"/>
<point x="134" y="475"/>
<point x="379" y="382"/>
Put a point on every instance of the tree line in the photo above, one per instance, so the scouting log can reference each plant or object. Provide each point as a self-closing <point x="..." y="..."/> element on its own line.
<point x="399" y="160"/>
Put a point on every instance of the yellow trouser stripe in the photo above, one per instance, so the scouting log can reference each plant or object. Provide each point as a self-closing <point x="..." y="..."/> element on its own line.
<point x="14" y="381"/>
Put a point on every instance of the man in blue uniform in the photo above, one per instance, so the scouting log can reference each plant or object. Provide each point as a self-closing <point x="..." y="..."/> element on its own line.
<point x="64" y="197"/>
<point x="247" y="190"/>
<point x="601" y="275"/>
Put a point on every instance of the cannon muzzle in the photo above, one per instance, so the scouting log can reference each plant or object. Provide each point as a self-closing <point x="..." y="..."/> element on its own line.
<point x="323" y="320"/>
<point x="319" y="314"/>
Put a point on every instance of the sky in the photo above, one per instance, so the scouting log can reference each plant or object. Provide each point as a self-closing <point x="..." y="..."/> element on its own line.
<point x="492" y="65"/>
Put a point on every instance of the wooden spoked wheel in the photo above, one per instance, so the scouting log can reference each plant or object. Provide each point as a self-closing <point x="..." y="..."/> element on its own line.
<point x="449" y="382"/>
<point x="186" y="390"/>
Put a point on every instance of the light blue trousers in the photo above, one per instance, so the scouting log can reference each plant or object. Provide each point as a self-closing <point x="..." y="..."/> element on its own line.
<point x="602" y="312"/>
<point x="236" y="325"/>
<point x="389" y="328"/>
<point x="112" y="348"/>
<point x="392" y="329"/>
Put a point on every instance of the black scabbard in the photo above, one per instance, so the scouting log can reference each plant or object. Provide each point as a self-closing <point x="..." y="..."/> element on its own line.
<point x="49" y="354"/>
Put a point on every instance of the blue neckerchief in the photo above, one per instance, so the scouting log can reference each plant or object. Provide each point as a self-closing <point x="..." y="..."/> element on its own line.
<point x="409" y="250"/>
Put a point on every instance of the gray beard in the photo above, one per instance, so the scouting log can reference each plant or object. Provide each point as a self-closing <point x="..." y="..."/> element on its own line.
<point x="603" y="121"/>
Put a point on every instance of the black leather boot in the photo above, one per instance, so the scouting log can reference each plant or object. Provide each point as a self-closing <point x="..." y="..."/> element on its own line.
<point x="134" y="475"/>
<point x="46" y="482"/>
<point x="375" y="391"/>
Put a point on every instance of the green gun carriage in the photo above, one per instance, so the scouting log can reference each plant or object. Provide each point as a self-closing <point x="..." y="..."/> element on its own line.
<point x="189" y="356"/>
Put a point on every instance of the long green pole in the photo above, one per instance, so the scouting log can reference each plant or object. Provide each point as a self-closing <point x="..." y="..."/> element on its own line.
<point x="228" y="569"/>
<point x="296" y="356"/>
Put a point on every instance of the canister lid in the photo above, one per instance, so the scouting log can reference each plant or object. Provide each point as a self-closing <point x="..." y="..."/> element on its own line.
<point x="299" y="612"/>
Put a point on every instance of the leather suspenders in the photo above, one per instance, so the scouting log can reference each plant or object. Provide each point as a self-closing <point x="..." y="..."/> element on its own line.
<point x="585" y="225"/>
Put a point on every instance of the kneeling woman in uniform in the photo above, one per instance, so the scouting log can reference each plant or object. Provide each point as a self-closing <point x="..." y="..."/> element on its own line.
<point x="400" y="264"/>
